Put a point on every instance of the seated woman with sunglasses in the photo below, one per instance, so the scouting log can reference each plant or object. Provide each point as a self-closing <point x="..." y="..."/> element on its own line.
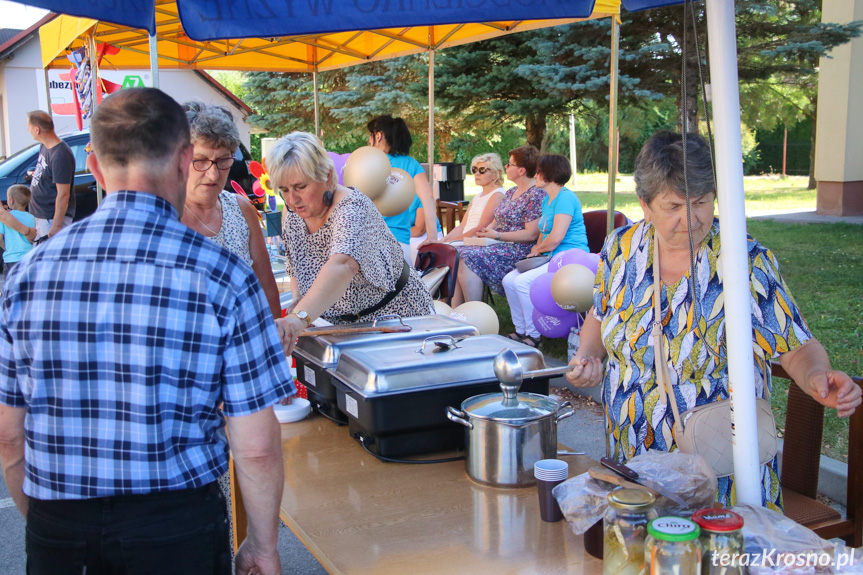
<point x="561" y="228"/>
<point x="345" y="263"/>
<point x="515" y="226"/>
<point x="222" y="216"/>
<point x="487" y="171"/>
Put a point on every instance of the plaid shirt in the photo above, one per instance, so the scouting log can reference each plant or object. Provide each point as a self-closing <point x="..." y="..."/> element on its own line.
<point x="121" y="336"/>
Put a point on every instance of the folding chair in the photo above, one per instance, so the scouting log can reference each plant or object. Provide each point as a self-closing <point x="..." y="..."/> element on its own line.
<point x="596" y="223"/>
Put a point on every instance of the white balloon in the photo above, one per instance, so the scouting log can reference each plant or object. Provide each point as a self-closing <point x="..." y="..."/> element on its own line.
<point x="478" y="314"/>
<point x="441" y="308"/>
<point x="572" y="287"/>
<point x="367" y="169"/>
<point x="398" y="195"/>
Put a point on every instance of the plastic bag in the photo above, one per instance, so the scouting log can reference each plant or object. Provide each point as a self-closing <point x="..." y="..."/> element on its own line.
<point x="583" y="500"/>
<point x="572" y="342"/>
<point x="777" y="544"/>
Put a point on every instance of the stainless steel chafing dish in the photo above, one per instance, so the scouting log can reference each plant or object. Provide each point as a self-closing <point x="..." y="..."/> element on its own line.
<point x="396" y="396"/>
<point x="315" y="355"/>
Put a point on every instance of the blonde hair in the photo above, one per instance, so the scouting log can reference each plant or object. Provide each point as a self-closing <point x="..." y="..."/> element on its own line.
<point x="21" y="194"/>
<point x="303" y="152"/>
<point x="494" y="162"/>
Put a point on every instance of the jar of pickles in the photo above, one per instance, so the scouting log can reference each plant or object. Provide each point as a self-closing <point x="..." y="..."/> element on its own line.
<point x="672" y="547"/>
<point x="625" y="528"/>
<point x="721" y="541"/>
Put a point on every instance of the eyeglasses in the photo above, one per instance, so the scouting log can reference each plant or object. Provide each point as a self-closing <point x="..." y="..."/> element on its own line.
<point x="508" y="164"/>
<point x="203" y="164"/>
<point x="479" y="170"/>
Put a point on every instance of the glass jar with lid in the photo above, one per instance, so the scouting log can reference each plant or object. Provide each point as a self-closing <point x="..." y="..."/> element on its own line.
<point x="624" y="531"/>
<point x="721" y="541"/>
<point x="672" y="547"/>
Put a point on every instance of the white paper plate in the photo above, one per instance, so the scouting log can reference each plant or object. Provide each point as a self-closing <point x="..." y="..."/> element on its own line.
<point x="296" y="411"/>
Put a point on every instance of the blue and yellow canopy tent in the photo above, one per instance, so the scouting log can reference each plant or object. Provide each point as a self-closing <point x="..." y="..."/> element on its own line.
<point x="326" y="34"/>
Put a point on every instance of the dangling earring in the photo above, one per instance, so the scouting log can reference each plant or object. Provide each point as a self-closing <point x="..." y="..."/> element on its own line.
<point x="328" y="198"/>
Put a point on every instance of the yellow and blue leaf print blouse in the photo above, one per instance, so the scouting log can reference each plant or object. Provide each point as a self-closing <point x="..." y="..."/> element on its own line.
<point x="635" y="411"/>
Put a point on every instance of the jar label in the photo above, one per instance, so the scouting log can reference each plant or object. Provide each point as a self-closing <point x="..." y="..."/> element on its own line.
<point x="673" y="529"/>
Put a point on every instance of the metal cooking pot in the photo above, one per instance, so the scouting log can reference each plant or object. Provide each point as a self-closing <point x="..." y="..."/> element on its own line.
<point x="507" y="433"/>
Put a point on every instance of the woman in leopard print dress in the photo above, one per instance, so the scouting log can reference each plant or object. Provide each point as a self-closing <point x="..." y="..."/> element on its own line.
<point x="343" y="259"/>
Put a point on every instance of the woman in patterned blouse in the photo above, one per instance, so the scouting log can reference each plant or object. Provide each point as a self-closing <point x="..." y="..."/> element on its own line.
<point x="617" y="327"/>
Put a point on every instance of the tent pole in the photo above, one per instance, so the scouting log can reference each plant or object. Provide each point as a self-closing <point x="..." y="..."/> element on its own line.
<point x="572" y="149"/>
<point x="315" y="89"/>
<point x="612" y="122"/>
<point x="734" y="259"/>
<point x="94" y="63"/>
<point x="154" y="61"/>
<point x="431" y="123"/>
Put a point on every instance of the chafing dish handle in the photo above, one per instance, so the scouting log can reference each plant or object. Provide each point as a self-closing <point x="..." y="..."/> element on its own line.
<point x="450" y="345"/>
<point x="389" y="316"/>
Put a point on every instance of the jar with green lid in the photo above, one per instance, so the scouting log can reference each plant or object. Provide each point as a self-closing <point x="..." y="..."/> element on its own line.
<point x="625" y="528"/>
<point x="672" y="547"/>
<point x="721" y="541"/>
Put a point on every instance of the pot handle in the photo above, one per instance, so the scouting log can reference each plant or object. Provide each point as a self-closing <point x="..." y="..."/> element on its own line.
<point x="565" y="414"/>
<point x="458" y="416"/>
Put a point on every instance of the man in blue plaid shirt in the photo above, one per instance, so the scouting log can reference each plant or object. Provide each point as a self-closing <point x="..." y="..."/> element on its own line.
<point x="120" y="339"/>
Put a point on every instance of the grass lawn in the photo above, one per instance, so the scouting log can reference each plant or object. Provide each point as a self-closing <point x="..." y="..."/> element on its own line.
<point x="822" y="264"/>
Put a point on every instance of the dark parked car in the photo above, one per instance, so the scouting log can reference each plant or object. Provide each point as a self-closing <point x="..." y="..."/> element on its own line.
<point x="18" y="169"/>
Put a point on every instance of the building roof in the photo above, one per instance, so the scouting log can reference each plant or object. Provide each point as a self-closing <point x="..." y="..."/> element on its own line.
<point x="7" y="34"/>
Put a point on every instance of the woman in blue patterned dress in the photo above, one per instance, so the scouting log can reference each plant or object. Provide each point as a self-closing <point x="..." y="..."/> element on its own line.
<point x="516" y="225"/>
<point x="618" y="325"/>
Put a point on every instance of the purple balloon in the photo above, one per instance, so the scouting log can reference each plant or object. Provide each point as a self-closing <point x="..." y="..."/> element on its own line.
<point x="574" y="256"/>
<point x="541" y="298"/>
<point x="339" y="160"/>
<point x="555" y="326"/>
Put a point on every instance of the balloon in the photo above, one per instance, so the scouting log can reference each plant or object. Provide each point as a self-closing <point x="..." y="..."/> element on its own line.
<point x="540" y="296"/>
<point x="574" y="256"/>
<point x="572" y="287"/>
<point x="479" y="315"/>
<point x="398" y="194"/>
<point x="339" y="160"/>
<point x="555" y="326"/>
<point x="367" y="170"/>
<point x="440" y="308"/>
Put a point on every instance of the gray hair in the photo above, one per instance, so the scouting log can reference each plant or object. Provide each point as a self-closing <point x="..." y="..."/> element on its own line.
<point x="213" y="125"/>
<point x="303" y="152"/>
<point x="659" y="167"/>
<point x="494" y="162"/>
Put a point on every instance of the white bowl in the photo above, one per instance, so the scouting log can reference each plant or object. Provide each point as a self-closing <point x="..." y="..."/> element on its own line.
<point x="295" y="411"/>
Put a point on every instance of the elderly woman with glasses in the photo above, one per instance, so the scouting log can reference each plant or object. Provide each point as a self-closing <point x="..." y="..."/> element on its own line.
<point x="487" y="171"/>
<point x="345" y="263"/>
<point x="222" y="216"/>
<point x="515" y="229"/>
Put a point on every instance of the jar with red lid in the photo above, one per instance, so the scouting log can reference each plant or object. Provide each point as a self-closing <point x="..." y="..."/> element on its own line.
<point x="721" y="541"/>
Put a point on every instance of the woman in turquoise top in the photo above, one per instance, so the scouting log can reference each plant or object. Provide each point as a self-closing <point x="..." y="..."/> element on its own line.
<point x="393" y="137"/>
<point x="561" y="228"/>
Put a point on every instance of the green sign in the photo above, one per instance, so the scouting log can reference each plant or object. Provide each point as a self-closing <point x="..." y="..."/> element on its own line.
<point x="133" y="82"/>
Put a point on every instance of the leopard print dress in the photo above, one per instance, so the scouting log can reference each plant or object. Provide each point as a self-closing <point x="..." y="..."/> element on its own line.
<point x="354" y="228"/>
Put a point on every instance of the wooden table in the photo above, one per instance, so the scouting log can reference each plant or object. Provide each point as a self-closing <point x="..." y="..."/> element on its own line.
<point x="359" y="515"/>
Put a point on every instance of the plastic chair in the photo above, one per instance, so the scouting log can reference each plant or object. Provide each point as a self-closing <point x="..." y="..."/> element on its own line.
<point x="801" y="456"/>
<point x="595" y="222"/>
<point x="439" y="255"/>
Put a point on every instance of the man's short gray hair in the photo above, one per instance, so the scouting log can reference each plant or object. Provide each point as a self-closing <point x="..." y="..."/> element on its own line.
<point x="659" y="167"/>
<point x="303" y="152"/>
<point x="213" y="125"/>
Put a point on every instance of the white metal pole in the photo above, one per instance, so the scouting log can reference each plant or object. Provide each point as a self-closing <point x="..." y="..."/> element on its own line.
<point x="94" y="72"/>
<point x="154" y="60"/>
<point x="431" y="123"/>
<point x="315" y="89"/>
<point x="572" y="149"/>
<point x="612" y="123"/>
<point x="734" y="259"/>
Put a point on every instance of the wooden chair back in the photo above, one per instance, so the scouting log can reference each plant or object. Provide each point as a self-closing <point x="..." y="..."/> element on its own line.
<point x="450" y="214"/>
<point x="801" y="457"/>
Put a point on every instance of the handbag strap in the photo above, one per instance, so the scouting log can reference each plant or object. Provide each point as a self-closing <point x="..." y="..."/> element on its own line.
<point x="660" y="367"/>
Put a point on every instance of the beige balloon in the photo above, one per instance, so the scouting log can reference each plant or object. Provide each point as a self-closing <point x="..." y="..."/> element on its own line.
<point x="398" y="194"/>
<point x="478" y="314"/>
<point x="572" y="287"/>
<point x="441" y="308"/>
<point x="367" y="170"/>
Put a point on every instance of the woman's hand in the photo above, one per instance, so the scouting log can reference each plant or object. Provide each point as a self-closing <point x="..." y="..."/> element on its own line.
<point x="585" y="372"/>
<point x="837" y="390"/>
<point x="486" y="233"/>
<point x="290" y="329"/>
<point x="535" y="251"/>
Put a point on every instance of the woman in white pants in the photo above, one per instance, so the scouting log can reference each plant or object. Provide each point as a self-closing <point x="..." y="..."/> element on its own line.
<point x="561" y="228"/>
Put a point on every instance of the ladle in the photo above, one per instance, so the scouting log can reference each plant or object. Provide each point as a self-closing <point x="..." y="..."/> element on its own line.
<point x="507" y="368"/>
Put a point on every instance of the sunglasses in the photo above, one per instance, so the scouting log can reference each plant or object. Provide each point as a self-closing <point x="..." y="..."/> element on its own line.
<point x="479" y="170"/>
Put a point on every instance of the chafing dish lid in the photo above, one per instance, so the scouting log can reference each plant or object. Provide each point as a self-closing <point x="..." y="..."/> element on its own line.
<point x="435" y="363"/>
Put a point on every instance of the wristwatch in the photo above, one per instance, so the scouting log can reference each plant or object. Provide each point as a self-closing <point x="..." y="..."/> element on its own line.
<point x="304" y="316"/>
<point x="498" y="235"/>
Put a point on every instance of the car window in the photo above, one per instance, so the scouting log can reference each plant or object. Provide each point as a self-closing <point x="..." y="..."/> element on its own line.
<point x="80" y="153"/>
<point x="13" y="163"/>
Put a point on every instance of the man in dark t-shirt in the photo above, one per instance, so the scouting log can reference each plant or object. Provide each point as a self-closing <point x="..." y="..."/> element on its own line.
<point x="53" y="202"/>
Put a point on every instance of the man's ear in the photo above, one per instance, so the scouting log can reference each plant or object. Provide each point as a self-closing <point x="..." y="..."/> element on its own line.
<point x="184" y="157"/>
<point x="96" y="170"/>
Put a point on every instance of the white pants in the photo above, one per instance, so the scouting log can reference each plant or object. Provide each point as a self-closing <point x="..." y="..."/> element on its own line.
<point x="516" y="285"/>
<point x="42" y="226"/>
